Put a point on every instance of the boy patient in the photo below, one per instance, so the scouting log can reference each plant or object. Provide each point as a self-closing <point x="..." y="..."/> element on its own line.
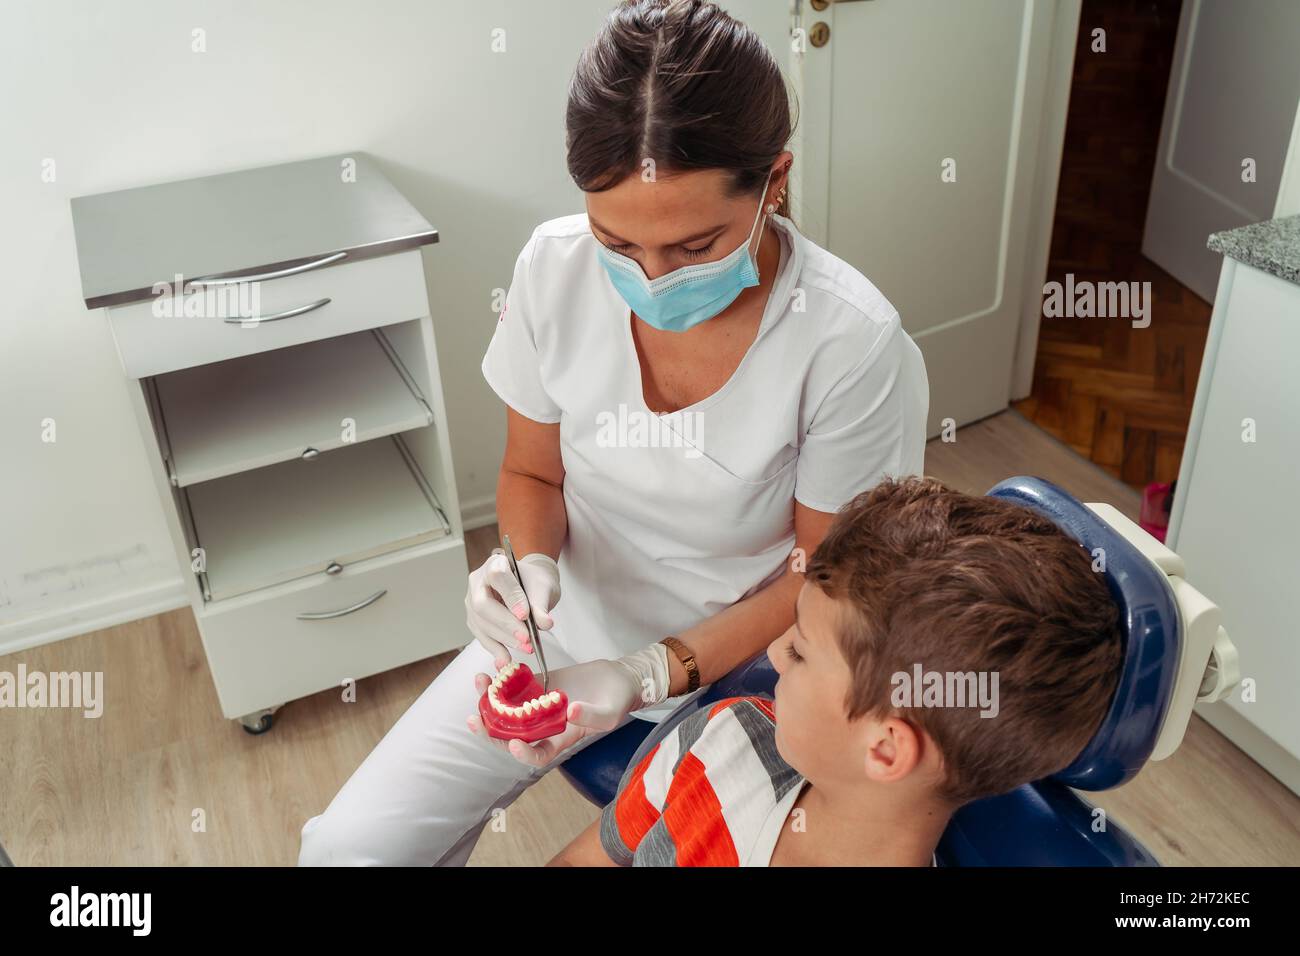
<point x="946" y="648"/>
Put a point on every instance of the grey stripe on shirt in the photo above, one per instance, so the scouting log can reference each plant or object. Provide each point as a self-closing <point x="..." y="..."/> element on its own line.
<point x="762" y="735"/>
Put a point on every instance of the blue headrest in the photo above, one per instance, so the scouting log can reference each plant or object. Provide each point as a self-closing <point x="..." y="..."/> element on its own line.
<point x="1149" y="617"/>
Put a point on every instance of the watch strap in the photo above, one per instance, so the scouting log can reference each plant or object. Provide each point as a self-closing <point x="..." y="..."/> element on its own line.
<point x="683" y="654"/>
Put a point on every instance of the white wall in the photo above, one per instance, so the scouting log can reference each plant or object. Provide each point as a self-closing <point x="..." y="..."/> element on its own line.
<point x="114" y="95"/>
<point x="1288" y="194"/>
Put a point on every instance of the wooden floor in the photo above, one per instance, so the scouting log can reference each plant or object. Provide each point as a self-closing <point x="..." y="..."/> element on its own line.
<point x="128" y="787"/>
<point x="1118" y="395"/>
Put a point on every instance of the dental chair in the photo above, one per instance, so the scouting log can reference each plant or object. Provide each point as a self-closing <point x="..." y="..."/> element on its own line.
<point x="1175" y="655"/>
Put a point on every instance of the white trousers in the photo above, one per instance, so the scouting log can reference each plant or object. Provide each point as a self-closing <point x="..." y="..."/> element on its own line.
<point x="423" y="795"/>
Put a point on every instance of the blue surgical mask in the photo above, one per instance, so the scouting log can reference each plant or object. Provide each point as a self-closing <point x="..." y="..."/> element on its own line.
<point x="685" y="297"/>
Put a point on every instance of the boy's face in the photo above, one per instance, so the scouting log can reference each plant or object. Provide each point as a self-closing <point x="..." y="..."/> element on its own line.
<point x="811" y="729"/>
<point x="813" y="732"/>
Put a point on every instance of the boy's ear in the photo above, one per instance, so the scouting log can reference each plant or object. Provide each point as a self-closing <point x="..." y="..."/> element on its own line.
<point x="893" y="748"/>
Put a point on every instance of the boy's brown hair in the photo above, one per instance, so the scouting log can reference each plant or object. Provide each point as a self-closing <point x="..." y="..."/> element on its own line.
<point x="958" y="583"/>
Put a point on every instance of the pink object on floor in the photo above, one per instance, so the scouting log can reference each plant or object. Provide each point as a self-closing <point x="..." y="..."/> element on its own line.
<point x="1157" y="500"/>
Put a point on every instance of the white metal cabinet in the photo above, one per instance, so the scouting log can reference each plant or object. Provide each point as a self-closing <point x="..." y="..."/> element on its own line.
<point x="1234" y="518"/>
<point x="302" y="462"/>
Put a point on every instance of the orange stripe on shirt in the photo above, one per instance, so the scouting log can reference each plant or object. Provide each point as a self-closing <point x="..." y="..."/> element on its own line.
<point x="693" y="817"/>
<point x="634" y="812"/>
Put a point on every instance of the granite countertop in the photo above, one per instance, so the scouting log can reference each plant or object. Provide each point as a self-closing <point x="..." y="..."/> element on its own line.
<point x="1272" y="246"/>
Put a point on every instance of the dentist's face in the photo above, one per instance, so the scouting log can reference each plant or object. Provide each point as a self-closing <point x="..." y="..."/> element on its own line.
<point x="678" y="219"/>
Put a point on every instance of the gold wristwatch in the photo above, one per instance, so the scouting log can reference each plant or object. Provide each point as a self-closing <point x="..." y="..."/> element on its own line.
<point x="684" y="655"/>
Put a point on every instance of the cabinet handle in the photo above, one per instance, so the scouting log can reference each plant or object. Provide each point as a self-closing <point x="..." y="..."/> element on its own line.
<point x="310" y="454"/>
<point x="325" y="615"/>
<point x="264" y="276"/>
<point x="286" y="314"/>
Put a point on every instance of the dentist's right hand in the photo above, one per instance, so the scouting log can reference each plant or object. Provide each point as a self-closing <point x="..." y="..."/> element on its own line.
<point x="495" y="606"/>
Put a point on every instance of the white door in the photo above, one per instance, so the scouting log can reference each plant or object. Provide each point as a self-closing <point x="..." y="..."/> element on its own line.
<point x="1223" y="141"/>
<point x="919" y="139"/>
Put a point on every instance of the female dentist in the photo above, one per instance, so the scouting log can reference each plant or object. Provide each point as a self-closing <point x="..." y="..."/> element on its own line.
<point x="693" y="389"/>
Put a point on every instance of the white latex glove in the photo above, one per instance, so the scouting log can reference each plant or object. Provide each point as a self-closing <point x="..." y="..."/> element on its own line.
<point x="494" y="602"/>
<point x="601" y="693"/>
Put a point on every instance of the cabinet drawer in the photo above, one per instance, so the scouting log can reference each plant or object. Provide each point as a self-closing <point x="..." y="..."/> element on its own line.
<point x="333" y="301"/>
<point x="263" y="652"/>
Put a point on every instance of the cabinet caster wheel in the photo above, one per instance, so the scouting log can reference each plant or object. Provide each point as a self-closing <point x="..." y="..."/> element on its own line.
<point x="258" y="722"/>
<point x="262" y="725"/>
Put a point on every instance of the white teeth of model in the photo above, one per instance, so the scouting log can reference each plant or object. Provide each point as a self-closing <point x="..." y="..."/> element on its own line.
<point x="496" y="683"/>
<point x="554" y="696"/>
<point x="528" y="707"/>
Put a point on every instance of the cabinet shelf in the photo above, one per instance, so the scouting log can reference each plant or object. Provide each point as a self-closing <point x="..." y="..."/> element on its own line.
<point x="246" y="413"/>
<point x="262" y="527"/>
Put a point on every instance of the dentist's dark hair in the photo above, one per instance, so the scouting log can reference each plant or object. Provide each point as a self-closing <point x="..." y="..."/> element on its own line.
<point x="680" y="82"/>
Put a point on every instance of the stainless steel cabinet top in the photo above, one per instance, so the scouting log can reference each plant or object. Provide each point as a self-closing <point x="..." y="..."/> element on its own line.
<point x="253" y="221"/>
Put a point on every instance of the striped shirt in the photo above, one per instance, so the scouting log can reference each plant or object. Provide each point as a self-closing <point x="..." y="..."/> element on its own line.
<point x="713" y="792"/>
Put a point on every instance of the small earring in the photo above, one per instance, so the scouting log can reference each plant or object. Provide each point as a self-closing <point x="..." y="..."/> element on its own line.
<point x="770" y="209"/>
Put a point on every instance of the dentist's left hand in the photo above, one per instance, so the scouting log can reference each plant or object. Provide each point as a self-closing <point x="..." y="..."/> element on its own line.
<point x="601" y="693"/>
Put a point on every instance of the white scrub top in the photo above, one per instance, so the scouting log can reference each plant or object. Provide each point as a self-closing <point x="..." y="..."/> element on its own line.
<point x="674" y="518"/>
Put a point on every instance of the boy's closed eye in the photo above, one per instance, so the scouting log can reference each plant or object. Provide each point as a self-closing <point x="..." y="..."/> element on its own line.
<point x="791" y="651"/>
